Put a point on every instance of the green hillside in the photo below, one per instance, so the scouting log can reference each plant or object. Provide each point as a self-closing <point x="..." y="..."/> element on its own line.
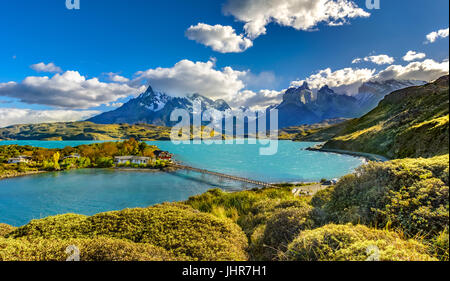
<point x="412" y="122"/>
<point x="84" y="131"/>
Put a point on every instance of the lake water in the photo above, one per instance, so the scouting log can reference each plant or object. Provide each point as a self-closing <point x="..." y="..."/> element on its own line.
<point x="93" y="191"/>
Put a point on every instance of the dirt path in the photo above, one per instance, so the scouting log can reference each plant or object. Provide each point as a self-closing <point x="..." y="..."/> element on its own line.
<point x="309" y="189"/>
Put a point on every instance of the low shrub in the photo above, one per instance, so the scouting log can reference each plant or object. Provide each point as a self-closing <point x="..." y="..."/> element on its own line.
<point x="178" y="228"/>
<point x="409" y="194"/>
<point x="353" y="243"/>
<point x="98" y="249"/>
<point x="439" y="245"/>
<point x="56" y="227"/>
<point x="283" y="226"/>
<point x="6" y="229"/>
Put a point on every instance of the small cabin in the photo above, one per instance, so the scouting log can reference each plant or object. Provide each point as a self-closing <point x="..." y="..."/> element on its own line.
<point x="73" y="156"/>
<point x="18" y="160"/>
<point x="163" y="155"/>
<point x="131" y="159"/>
<point x="331" y="182"/>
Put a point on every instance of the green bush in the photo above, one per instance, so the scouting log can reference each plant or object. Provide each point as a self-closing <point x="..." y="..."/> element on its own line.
<point x="179" y="229"/>
<point x="283" y="226"/>
<point x="409" y="194"/>
<point x="56" y="227"/>
<point x="439" y="246"/>
<point x="6" y="229"/>
<point x="98" y="249"/>
<point x="353" y="243"/>
<point x="104" y="162"/>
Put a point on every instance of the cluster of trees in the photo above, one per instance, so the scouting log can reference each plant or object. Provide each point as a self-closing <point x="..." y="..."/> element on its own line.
<point x="98" y="155"/>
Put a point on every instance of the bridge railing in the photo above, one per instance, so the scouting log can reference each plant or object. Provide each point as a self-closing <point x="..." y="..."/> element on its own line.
<point x="204" y="171"/>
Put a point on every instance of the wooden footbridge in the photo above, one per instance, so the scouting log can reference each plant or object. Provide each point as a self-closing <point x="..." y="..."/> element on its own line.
<point x="220" y="175"/>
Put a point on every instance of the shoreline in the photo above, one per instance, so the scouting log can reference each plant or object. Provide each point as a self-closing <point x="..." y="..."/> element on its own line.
<point x="32" y="173"/>
<point x="124" y="169"/>
<point x="367" y="156"/>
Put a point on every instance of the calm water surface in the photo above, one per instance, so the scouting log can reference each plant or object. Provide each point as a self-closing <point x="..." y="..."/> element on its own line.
<point x="93" y="191"/>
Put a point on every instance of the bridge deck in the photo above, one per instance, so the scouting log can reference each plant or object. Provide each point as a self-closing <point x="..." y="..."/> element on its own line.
<point x="221" y="175"/>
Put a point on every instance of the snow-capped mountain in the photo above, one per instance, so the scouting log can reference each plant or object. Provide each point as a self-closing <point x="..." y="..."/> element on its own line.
<point x="301" y="106"/>
<point x="371" y="93"/>
<point x="155" y="108"/>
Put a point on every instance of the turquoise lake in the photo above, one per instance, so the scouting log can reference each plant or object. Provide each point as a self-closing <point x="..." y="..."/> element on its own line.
<point x="92" y="191"/>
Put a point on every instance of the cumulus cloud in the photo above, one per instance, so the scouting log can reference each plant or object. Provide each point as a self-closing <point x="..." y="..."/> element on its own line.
<point x="114" y="77"/>
<point x="14" y="116"/>
<point x="115" y="104"/>
<point x="299" y="14"/>
<point x="67" y="90"/>
<point x="412" y="55"/>
<point x="193" y="77"/>
<point x="256" y="100"/>
<point x="220" y="38"/>
<point x="427" y="70"/>
<point x="433" y="36"/>
<point x="346" y="80"/>
<point x="378" y="59"/>
<point x="42" y="67"/>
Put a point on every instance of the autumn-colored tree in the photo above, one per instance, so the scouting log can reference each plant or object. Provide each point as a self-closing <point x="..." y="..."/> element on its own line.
<point x="56" y="157"/>
<point x="68" y="150"/>
<point x="109" y="149"/>
<point x="130" y="147"/>
<point x="87" y="151"/>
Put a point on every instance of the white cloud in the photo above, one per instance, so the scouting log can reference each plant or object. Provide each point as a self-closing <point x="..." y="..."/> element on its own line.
<point x="433" y="36"/>
<point x="378" y="59"/>
<point x="115" y="104"/>
<point x="299" y="14"/>
<point x="412" y="55"/>
<point x="256" y="100"/>
<point x="346" y="80"/>
<point x="193" y="77"/>
<point x="42" y="67"/>
<point x="427" y="70"/>
<point x="220" y="38"/>
<point x="14" y="116"/>
<point x="67" y="90"/>
<point x="114" y="77"/>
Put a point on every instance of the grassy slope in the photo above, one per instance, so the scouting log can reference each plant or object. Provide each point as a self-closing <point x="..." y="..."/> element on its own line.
<point x="84" y="131"/>
<point x="316" y="132"/>
<point x="412" y="122"/>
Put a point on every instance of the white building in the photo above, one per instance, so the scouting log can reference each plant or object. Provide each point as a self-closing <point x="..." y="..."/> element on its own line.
<point x="131" y="159"/>
<point x="20" y="159"/>
<point x="73" y="156"/>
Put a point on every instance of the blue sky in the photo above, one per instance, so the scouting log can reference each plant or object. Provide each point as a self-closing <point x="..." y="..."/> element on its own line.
<point x="124" y="37"/>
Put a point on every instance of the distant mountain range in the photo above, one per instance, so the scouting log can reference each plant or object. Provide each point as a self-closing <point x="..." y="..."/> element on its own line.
<point x="371" y="93"/>
<point x="300" y="106"/>
<point x="155" y="108"/>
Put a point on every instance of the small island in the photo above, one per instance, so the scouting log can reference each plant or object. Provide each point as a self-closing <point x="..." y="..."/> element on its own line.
<point x="18" y="160"/>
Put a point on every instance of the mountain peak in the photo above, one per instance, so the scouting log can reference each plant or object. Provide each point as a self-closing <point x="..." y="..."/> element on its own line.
<point x="155" y="108"/>
<point x="149" y="90"/>
<point x="305" y="86"/>
<point x="326" y="88"/>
